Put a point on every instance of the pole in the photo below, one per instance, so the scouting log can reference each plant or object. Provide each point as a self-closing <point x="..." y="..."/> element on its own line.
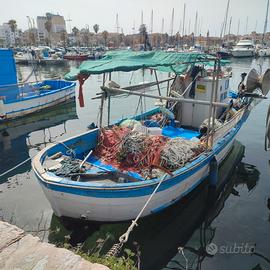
<point x="178" y="99"/>
<point x="159" y="92"/>
<point x="211" y="105"/>
<point x="215" y="99"/>
<point x="102" y="101"/>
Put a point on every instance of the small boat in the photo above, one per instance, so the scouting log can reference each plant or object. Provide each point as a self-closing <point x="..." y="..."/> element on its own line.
<point x="76" y="57"/>
<point x="244" y="48"/>
<point x="17" y="100"/>
<point x="223" y="53"/>
<point x="262" y="51"/>
<point x="40" y="56"/>
<point x="144" y="164"/>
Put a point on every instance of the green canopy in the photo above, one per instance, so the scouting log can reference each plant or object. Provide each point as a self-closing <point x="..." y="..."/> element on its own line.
<point x="177" y="62"/>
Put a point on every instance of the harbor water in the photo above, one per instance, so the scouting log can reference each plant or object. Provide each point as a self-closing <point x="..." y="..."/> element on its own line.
<point x="231" y="232"/>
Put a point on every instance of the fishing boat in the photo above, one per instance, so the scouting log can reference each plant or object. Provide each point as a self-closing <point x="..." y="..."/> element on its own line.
<point x="20" y="99"/>
<point x="244" y="48"/>
<point x="141" y="165"/>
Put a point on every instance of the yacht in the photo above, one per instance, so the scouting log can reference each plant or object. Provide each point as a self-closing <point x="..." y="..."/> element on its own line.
<point x="244" y="48"/>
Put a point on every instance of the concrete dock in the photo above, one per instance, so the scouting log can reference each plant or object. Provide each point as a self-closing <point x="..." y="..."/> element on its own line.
<point x="21" y="251"/>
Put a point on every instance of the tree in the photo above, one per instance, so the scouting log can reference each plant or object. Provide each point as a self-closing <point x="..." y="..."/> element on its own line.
<point x="76" y="33"/>
<point x="96" y="28"/>
<point x="13" y="26"/>
<point x="144" y="37"/>
<point x="48" y="27"/>
<point x="86" y="37"/>
<point x="105" y="35"/>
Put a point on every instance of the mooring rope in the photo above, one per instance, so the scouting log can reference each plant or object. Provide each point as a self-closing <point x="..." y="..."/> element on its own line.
<point x="15" y="167"/>
<point x="116" y="248"/>
<point x="181" y="251"/>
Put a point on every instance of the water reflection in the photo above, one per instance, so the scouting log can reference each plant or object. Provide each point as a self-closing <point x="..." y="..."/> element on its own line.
<point x="15" y="141"/>
<point x="186" y="224"/>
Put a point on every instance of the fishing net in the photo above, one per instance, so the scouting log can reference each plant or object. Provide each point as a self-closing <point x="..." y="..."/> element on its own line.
<point x="178" y="151"/>
<point x="131" y="150"/>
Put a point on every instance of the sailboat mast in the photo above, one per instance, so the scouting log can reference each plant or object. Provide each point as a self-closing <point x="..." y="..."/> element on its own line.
<point x="226" y="17"/>
<point x="230" y="24"/>
<point x="162" y="26"/>
<point x="172" y="22"/>
<point x="151" y="23"/>
<point x="247" y="26"/>
<point x="238" y="27"/>
<point x="195" y="25"/>
<point x="265" y="22"/>
<point x="184" y="17"/>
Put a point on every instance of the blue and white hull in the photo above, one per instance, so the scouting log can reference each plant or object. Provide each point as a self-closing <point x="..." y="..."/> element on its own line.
<point x="123" y="201"/>
<point x="27" y="100"/>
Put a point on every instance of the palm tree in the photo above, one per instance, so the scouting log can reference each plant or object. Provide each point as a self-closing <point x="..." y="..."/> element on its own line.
<point x="13" y="26"/>
<point x="105" y="35"/>
<point x="96" y="28"/>
<point x="48" y="27"/>
<point x="75" y="32"/>
<point x="144" y="37"/>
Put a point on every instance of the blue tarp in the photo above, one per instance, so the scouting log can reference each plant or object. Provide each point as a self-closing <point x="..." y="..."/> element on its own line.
<point x="8" y="74"/>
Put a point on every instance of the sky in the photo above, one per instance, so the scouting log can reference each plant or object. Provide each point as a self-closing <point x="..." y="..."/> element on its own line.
<point x="85" y="13"/>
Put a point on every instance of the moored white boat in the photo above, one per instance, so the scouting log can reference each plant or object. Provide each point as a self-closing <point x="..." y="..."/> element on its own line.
<point x="244" y="48"/>
<point x="96" y="189"/>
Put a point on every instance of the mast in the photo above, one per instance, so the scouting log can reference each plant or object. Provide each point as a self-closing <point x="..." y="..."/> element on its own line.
<point x="172" y="21"/>
<point x="162" y="26"/>
<point x="184" y="17"/>
<point x="195" y="24"/>
<point x="151" y="22"/>
<point x="141" y="17"/>
<point x="247" y="26"/>
<point x="230" y="24"/>
<point x="117" y="24"/>
<point x="226" y="17"/>
<point x="266" y="20"/>
<point x="238" y="27"/>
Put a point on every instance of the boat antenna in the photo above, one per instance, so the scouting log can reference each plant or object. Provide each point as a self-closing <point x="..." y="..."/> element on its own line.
<point x="266" y="20"/>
